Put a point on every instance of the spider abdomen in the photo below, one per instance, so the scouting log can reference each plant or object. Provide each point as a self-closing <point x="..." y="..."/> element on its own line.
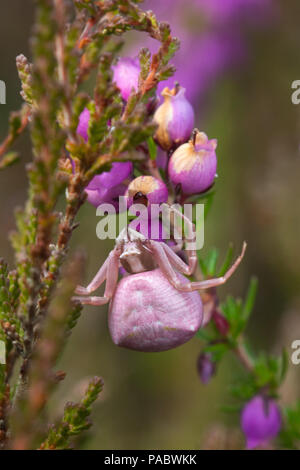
<point x="148" y="314"/>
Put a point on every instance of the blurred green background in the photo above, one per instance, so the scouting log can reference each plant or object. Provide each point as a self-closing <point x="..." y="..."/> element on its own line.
<point x="155" y="400"/>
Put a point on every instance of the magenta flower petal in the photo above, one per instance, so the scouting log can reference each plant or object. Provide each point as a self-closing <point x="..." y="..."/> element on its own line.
<point x="116" y="175"/>
<point x="150" y="228"/>
<point x="260" y="421"/>
<point x="109" y="185"/>
<point x="104" y="195"/>
<point x="83" y="124"/>
<point x="126" y="75"/>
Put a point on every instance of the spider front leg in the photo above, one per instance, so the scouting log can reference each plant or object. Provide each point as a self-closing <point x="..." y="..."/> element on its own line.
<point x="166" y="265"/>
<point x="176" y="261"/>
<point x="96" y="282"/>
<point x="191" y="254"/>
<point x="109" y="271"/>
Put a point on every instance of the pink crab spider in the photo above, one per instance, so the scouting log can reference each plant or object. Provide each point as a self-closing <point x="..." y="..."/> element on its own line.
<point x="156" y="307"/>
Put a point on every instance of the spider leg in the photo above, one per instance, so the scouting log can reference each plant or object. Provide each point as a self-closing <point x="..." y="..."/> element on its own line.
<point x="177" y="238"/>
<point x="168" y="270"/>
<point x="176" y="248"/>
<point x="164" y="264"/>
<point x="110" y="272"/>
<point x="91" y="300"/>
<point x="191" y="253"/>
<point x="96" y="282"/>
<point x="177" y="262"/>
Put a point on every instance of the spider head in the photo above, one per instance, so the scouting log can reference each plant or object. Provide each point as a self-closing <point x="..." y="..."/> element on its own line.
<point x="135" y="256"/>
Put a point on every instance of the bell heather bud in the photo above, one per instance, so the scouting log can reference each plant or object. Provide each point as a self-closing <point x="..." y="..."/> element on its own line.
<point x="147" y="190"/>
<point x="194" y="164"/>
<point x="221" y="322"/>
<point x="83" y="124"/>
<point x="126" y="75"/>
<point x="175" y="119"/>
<point x="206" y="367"/>
<point x="260" y="421"/>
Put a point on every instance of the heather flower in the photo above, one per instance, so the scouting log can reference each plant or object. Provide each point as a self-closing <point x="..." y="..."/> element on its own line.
<point x="175" y="118"/>
<point x="194" y="164"/>
<point x="83" y="124"/>
<point x="109" y="185"/>
<point x="147" y="190"/>
<point x="230" y="10"/>
<point x="207" y="52"/>
<point x="260" y="421"/>
<point x="150" y="228"/>
<point x="206" y="367"/>
<point x="126" y="75"/>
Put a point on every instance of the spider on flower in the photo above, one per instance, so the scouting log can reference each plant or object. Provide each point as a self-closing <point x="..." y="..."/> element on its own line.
<point x="155" y="307"/>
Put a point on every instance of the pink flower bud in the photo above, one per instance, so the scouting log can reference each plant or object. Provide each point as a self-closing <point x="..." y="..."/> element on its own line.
<point x="206" y="367"/>
<point x="126" y="75"/>
<point x="175" y="119"/>
<point x="194" y="164"/>
<point x="221" y="323"/>
<point x="147" y="190"/>
<point x="83" y="124"/>
<point x="260" y="421"/>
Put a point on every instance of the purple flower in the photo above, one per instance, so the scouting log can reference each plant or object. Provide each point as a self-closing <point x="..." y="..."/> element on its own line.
<point x="206" y="367"/>
<point x="194" y="164"/>
<point x="150" y="228"/>
<point x="83" y="124"/>
<point x="213" y="42"/>
<point x="175" y="118"/>
<point x="108" y="186"/>
<point x="260" y="421"/>
<point x="126" y="75"/>
<point x="230" y="10"/>
<point x="161" y="159"/>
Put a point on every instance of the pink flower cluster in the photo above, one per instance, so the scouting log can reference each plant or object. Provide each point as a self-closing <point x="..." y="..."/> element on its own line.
<point x="213" y="37"/>
<point x="192" y="162"/>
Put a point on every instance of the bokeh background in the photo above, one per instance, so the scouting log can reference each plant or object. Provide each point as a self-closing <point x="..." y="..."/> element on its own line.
<point x="238" y="61"/>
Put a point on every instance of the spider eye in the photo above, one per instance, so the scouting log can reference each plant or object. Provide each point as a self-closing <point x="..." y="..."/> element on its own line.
<point x="140" y="198"/>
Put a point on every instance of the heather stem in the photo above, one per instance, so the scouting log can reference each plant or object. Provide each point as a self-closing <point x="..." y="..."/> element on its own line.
<point x="243" y="356"/>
